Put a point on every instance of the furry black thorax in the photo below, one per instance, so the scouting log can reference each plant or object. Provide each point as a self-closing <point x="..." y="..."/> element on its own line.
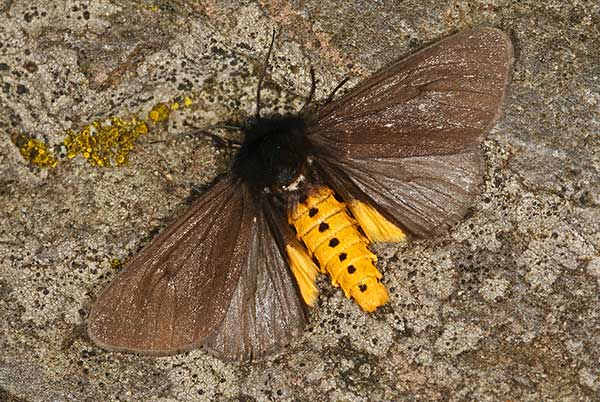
<point x="274" y="152"/>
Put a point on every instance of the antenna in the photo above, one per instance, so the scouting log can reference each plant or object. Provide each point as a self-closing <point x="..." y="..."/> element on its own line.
<point x="262" y="75"/>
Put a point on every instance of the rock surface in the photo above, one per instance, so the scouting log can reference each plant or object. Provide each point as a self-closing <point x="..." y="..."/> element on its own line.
<point x="505" y="307"/>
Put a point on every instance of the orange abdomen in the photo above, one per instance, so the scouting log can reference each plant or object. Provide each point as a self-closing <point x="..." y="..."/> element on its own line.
<point x="333" y="238"/>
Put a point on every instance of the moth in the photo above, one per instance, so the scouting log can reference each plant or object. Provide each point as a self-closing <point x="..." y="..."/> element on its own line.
<point x="397" y="157"/>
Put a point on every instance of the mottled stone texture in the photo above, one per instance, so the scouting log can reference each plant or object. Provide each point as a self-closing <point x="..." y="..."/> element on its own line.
<point x="505" y="307"/>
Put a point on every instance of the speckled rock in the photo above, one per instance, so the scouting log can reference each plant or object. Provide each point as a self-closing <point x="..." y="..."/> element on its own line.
<point x="504" y="307"/>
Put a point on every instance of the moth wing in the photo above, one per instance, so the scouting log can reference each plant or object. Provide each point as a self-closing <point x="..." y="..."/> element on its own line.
<point x="177" y="291"/>
<point x="408" y="138"/>
<point x="266" y="311"/>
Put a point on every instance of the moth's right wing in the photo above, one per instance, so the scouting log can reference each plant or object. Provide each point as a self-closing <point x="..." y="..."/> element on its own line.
<point x="409" y="137"/>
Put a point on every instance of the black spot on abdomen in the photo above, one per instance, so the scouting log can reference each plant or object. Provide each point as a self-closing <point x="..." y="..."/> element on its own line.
<point x="323" y="227"/>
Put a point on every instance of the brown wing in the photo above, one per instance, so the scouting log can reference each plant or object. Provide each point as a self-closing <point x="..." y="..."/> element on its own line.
<point x="409" y="137"/>
<point x="177" y="291"/>
<point x="266" y="311"/>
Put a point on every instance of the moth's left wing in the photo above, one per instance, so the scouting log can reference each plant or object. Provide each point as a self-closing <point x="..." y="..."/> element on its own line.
<point x="215" y="277"/>
<point x="176" y="291"/>
<point x="266" y="311"/>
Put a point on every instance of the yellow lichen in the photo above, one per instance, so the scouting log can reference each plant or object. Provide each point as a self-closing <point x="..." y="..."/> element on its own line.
<point x="176" y="105"/>
<point x="105" y="143"/>
<point x="159" y="113"/>
<point x="151" y="7"/>
<point x="116" y="264"/>
<point x="35" y="152"/>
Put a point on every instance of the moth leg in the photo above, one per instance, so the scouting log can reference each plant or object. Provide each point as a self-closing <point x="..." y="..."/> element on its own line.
<point x="219" y="140"/>
<point x="204" y="131"/>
